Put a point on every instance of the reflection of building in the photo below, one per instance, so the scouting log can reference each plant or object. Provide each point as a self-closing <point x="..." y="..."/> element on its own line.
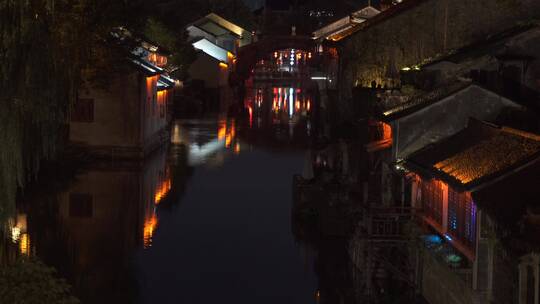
<point x="18" y="227"/>
<point x="125" y="114"/>
<point x="281" y="113"/>
<point x="105" y="215"/>
<point x="90" y="231"/>
<point x="207" y="141"/>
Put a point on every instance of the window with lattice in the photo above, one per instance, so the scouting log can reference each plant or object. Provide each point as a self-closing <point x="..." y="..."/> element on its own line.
<point x="462" y="217"/>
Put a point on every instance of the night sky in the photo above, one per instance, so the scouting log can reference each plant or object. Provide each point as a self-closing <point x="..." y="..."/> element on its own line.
<point x="284" y="4"/>
<point x="279" y="4"/>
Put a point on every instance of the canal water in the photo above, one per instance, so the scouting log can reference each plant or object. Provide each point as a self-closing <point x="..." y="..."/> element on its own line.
<point x="228" y="235"/>
<point x="205" y="219"/>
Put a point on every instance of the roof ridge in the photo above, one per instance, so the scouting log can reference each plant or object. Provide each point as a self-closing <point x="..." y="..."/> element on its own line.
<point x="521" y="133"/>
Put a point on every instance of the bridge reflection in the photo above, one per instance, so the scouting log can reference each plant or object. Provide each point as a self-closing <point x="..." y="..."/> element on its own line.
<point x="280" y="114"/>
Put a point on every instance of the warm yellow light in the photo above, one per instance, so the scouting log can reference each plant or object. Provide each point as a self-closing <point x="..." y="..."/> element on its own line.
<point x="19" y="227"/>
<point x="162" y="190"/>
<point x="150" y="226"/>
<point x="233" y="129"/>
<point x="406" y="69"/>
<point x="226" y="24"/>
<point x="222" y="131"/>
<point x="24" y="244"/>
<point x="162" y="97"/>
<point x="387" y="131"/>
<point x="237" y="148"/>
<point x="15" y="234"/>
<point x="223" y="65"/>
<point x="230" y="135"/>
<point x="250" y="109"/>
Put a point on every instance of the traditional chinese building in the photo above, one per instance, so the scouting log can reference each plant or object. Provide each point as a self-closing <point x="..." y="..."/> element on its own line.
<point x="491" y="80"/>
<point x="338" y="29"/>
<point x="216" y="41"/>
<point x="449" y="180"/>
<point x="127" y="115"/>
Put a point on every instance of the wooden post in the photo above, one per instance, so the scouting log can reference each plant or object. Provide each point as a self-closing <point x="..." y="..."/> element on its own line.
<point x="536" y="262"/>
<point x="522" y="295"/>
<point x="444" y="222"/>
<point x="445" y="42"/>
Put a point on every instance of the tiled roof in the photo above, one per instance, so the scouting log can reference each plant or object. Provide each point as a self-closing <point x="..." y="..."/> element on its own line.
<point x="385" y="15"/>
<point x="419" y="102"/>
<point x="145" y="67"/>
<point x="491" y="45"/>
<point x="478" y="154"/>
<point x="164" y="82"/>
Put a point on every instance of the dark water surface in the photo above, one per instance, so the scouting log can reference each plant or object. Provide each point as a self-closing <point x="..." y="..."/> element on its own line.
<point x="205" y="219"/>
<point x="229" y="236"/>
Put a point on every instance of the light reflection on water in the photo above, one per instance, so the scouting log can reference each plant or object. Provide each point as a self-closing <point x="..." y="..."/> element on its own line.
<point x="231" y="231"/>
<point x="207" y="141"/>
<point x="214" y="203"/>
<point x="281" y="105"/>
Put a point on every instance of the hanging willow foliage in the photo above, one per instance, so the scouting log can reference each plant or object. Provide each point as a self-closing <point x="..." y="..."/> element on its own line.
<point x="33" y="95"/>
<point x="44" y="45"/>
